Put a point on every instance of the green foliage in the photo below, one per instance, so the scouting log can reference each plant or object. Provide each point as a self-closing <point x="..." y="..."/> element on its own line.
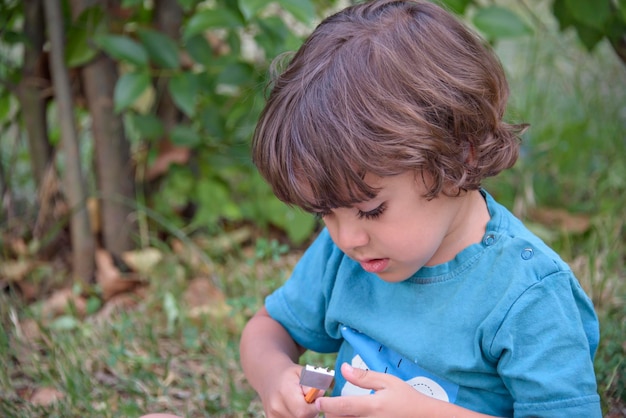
<point x="204" y="20"/>
<point x="215" y="71"/>
<point x="220" y="95"/>
<point x="11" y="38"/>
<point x="269" y="249"/>
<point x="183" y="88"/>
<point x="215" y="74"/>
<point x="128" y="88"/>
<point x="162" y="50"/>
<point x="592" y="20"/>
<point x="499" y="22"/>
<point x="123" y="49"/>
<point x="457" y="6"/>
<point x="251" y="8"/>
<point x="148" y="127"/>
<point x="495" y="21"/>
<point x="78" y="50"/>
<point x="302" y="10"/>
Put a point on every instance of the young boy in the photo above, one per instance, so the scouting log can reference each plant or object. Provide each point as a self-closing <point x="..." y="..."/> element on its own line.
<point x="438" y="301"/>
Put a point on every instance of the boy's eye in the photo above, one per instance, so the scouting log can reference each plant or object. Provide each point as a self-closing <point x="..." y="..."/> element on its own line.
<point x="372" y="214"/>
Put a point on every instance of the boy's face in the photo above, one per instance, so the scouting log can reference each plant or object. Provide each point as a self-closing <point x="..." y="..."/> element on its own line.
<point x="400" y="231"/>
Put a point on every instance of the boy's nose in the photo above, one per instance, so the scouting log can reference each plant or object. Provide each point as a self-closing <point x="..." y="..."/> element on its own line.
<point x="350" y="235"/>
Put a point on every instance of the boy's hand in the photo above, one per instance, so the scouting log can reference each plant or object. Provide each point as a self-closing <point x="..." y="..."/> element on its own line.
<point x="392" y="398"/>
<point x="283" y="397"/>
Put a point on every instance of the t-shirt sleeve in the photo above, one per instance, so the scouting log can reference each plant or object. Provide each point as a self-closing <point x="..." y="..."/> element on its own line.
<point x="545" y="348"/>
<point x="300" y="305"/>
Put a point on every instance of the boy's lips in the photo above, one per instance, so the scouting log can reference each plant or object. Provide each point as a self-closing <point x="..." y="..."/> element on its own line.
<point x="374" y="265"/>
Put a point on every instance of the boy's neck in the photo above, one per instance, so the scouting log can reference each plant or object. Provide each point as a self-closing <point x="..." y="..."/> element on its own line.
<point x="469" y="227"/>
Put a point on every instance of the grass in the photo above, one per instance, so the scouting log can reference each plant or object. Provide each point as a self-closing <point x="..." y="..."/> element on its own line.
<point x="158" y="354"/>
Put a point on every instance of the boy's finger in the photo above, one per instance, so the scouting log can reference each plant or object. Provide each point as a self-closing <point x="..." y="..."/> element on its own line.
<point x="366" y="379"/>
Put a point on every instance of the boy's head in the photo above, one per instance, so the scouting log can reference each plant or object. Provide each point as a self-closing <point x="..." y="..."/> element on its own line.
<point x="384" y="87"/>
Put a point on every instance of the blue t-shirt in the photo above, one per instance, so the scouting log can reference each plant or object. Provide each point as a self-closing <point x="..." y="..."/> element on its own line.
<point x="504" y="328"/>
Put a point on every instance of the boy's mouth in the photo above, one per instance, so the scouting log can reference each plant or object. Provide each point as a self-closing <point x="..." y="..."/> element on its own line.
<point x="375" y="265"/>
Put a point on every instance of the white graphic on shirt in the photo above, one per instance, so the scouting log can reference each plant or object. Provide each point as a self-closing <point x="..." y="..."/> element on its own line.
<point x="429" y="388"/>
<point x="371" y="355"/>
<point x="421" y="384"/>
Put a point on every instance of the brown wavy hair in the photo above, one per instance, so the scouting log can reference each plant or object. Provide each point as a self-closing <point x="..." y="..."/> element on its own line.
<point x="384" y="87"/>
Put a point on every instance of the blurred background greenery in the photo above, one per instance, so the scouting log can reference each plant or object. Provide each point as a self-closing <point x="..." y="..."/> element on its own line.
<point x="137" y="238"/>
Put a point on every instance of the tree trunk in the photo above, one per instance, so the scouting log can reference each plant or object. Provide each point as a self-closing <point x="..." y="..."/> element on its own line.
<point x="83" y="248"/>
<point x="31" y="94"/>
<point x="30" y="91"/>
<point x="5" y="198"/>
<point x="167" y="19"/>
<point x="114" y="170"/>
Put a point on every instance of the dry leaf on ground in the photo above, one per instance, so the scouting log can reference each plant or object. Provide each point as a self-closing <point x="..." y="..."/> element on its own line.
<point x="46" y="396"/>
<point x="13" y="273"/>
<point x="28" y="290"/>
<point x="201" y="292"/>
<point x="226" y="241"/>
<point x="16" y="270"/>
<point x="142" y="261"/>
<point x="192" y="256"/>
<point x="168" y="154"/>
<point x="29" y="330"/>
<point x="561" y="219"/>
<point x="16" y="246"/>
<point x="109" y="277"/>
<point x="119" y="303"/>
<point x="59" y="302"/>
<point x="204" y="298"/>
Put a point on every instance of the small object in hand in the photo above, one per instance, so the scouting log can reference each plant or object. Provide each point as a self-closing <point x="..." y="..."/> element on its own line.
<point x="317" y="378"/>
